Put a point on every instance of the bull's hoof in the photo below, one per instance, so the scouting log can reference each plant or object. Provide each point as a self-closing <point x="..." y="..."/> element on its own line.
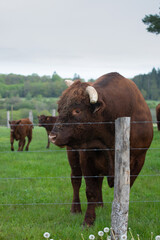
<point x="76" y="209"/>
<point x="88" y="221"/>
<point x="26" y="149"/>
<point x="12" y="149"/>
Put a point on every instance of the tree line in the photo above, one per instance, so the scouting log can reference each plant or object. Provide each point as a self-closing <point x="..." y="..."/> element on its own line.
<point x="149" y="84"/>
<point x="30" y="86"/>
<point x="34" y="86"/>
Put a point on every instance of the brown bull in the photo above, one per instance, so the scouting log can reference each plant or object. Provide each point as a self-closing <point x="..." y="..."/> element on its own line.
<point x="20" y="129"/>
<point x="111" y="96"/>
<point x="158" y="116"/>
<point x="48" y="123"/>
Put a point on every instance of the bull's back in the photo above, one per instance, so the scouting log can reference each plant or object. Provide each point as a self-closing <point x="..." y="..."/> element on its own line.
<point x="123" y="99"/>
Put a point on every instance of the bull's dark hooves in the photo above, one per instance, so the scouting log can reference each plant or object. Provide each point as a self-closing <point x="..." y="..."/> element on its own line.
<point x="12" y="150"/>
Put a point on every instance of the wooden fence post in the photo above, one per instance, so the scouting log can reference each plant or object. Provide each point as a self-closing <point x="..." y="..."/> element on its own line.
<point x="120" y="205"/>
<point x="8" y="119"/>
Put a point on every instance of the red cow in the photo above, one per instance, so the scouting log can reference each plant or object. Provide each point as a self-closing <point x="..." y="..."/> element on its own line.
<point x="111" y="96"/>
<point x="158" y="116"/>
<point x="20" y="129"/>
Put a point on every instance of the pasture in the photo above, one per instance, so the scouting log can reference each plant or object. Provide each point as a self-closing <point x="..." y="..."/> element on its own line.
<point x="36" y="194"/>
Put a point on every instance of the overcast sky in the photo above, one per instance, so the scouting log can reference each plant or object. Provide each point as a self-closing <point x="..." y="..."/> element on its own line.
<point x="87" y="37"/>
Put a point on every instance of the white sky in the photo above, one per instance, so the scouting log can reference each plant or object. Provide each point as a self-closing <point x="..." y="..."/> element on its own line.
<point x="87" y="37"/>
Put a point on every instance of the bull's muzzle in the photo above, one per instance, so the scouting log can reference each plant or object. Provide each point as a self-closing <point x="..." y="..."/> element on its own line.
<point x="52" y="138"/>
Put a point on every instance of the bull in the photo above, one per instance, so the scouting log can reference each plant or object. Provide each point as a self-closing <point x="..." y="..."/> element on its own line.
<point x="20" y="129"/>
<point x="87" y="113"/>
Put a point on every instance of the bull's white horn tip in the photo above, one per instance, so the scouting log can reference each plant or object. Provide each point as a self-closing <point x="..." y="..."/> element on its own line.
<point x="93" y="95"/>
<point x="68" y="82"/>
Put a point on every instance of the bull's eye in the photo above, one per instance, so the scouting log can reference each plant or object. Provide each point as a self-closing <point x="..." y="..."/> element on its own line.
<point x="76" y="111"/>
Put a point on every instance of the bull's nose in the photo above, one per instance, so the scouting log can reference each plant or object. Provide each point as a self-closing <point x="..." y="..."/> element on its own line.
<point x="52" y="138"/>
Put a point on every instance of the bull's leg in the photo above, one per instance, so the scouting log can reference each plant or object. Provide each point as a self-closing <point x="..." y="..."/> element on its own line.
<point x="92" y="192"/>
<point x="93" y="184"/>
<point x="12" y="141"/>
<point x="76" y="178"/>
<point x="136" y="164"/>
<point x="100" y="198"/>
<point x="29" y="140"/>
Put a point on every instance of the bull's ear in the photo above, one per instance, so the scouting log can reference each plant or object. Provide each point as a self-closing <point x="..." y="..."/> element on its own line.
<point x="10" y="122"/>
<point x="98" y="106"/>
<point x="17" y="122"/>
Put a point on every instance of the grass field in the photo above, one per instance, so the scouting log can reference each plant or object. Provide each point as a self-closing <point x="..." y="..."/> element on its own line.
<point x="36" y="192"/>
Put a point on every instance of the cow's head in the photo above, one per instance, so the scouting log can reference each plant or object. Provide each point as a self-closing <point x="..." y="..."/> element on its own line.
<point x="13" y="125"/>
<point x="78" y="106"/>
<point x="42" y="120"/>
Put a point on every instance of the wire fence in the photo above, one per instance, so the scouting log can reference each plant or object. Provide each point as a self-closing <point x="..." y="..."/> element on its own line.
<point x="75" y="177"/>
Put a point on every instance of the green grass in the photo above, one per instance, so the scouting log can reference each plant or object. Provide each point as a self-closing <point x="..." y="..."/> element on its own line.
<point x="30" y="181"/>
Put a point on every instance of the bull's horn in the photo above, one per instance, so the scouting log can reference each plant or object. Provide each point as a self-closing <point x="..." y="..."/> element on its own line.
<point x="68" y="82"/>
<point x="93" y="95"/>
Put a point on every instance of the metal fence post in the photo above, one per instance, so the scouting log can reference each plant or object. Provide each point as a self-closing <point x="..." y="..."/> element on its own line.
<point x="120" y="205"/>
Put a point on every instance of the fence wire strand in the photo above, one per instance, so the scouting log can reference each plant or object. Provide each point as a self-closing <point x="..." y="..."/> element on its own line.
<point x="70" y="203"/>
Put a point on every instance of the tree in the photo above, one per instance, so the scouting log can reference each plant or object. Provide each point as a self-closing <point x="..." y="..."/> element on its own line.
<point x="153" y="22"/>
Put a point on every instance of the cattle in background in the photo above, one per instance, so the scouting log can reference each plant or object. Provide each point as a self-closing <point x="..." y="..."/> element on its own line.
<point x="47" y="122"/>
<point x="158" y="116"/>
<point x="110" y="97"/>
<point x="20" y="129"/>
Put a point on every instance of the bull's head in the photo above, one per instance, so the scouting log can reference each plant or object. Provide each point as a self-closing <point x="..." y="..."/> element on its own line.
<point x="78" y="106"/>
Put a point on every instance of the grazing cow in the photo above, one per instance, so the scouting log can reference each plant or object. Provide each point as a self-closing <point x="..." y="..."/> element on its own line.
<point x="158" y="116"/>
<point x="47" y="122"/>
<point x="20" y="129"/>
<point x="110" y="97"/>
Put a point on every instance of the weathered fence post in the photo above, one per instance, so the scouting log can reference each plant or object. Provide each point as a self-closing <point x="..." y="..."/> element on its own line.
<point x="54" y="112"/>
<point x="120" y="205"/>
<point x="31" y="116"/>
<point x="8" y="119"/>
